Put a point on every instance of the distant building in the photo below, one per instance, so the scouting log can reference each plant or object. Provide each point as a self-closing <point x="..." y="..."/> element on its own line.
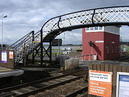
<point x="57" y="42"/>
<point x="101" y="43"/>
<point x="124" y="43"/>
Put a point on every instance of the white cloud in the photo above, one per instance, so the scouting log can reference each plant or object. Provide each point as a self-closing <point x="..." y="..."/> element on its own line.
<point x="124" y="33"/>
<point x="71" y="37"/>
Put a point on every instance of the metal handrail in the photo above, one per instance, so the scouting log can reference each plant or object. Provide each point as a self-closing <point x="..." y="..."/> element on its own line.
<point x="24" y="37"/>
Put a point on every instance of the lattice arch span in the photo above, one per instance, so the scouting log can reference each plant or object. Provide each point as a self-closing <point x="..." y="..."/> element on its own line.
<point x="118" y="15"/>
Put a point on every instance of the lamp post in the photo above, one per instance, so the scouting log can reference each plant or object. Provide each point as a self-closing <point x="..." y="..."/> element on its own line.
<point x="5" y="16"/>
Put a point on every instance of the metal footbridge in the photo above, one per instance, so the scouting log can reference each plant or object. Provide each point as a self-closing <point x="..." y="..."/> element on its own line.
<point x="34" y="43"/>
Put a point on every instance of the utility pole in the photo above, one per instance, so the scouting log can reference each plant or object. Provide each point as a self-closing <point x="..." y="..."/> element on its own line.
<point x="2" y="36"/>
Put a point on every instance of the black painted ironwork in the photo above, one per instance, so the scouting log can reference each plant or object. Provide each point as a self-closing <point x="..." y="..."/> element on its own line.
<point x="34" y="43"/>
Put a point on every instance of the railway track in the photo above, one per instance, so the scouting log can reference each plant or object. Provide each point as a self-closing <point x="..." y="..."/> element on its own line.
<point x="35" y="87"/>
<point x="71" y="89"/>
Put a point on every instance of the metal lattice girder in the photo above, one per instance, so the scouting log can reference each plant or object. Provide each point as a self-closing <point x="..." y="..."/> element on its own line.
<point x="92" y="17"/>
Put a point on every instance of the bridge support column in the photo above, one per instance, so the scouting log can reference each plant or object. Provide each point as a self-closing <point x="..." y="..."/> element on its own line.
<point x="33" y="55"/>
<point x="41" y="47"/>
<point x="50" y="59"/>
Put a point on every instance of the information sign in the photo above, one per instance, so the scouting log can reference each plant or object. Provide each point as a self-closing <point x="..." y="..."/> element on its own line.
<point x="100" y="83"/>
<point x="10" y="54"/>
<point x="122" y="84"/>
<point x="4" y="57"/>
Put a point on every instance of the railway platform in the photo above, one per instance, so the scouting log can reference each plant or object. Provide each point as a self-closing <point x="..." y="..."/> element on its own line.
<point x="7" y="72"/>
<point x="9" y="76"/>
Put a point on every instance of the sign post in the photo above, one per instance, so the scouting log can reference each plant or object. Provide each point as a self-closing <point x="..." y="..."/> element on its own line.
<point x="122" y="84"/>
<point x="100" y="83"/>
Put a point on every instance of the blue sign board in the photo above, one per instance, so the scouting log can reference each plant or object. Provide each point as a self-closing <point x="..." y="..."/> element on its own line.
<point x="122" y="84"/>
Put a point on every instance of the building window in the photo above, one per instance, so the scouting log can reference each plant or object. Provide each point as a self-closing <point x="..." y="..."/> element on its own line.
<point x="87" y="28"/>
<point x="91" y="28"/>
<point x="107" y="49"/>
<point x="100" y="28"/>
<point x="96" y="28"/>
<point x="112" y="49"/>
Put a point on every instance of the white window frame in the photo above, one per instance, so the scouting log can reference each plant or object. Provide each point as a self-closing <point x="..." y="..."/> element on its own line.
<point x="93" y="29"/>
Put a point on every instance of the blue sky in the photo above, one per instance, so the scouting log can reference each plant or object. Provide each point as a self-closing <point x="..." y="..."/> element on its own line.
<point x="27" y="15"/>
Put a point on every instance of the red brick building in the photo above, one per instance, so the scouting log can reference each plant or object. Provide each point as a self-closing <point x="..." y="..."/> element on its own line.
<point x="101" y="43"/>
